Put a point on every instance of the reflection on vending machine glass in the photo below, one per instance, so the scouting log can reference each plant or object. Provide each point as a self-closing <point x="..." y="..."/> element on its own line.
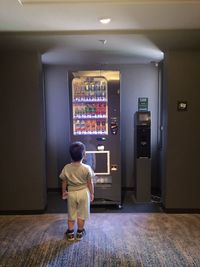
<point x="99" y="161"/>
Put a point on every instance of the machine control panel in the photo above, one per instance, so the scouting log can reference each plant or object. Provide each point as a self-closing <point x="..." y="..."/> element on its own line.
<point x="143" y="134"/>
<point x="114" y="125"/>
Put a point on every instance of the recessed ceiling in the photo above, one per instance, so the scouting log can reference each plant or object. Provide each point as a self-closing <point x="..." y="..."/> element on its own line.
<point x="138" y="31"/>
<point x="104" y="1"/>
<point x="119" y="49"/>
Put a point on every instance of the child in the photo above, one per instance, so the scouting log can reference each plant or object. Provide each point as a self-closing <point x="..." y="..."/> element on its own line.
<point x="78" y="189"/>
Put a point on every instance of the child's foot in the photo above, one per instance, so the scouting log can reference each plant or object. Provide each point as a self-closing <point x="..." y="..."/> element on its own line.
<point x="70" y="235"/>
<point x="80" y="234"/>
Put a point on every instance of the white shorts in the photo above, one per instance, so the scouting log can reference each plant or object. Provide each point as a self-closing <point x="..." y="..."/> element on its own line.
<point x="78" y="204"/>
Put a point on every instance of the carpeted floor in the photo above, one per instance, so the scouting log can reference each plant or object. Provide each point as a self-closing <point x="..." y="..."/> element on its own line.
<point x="112" y="240"/>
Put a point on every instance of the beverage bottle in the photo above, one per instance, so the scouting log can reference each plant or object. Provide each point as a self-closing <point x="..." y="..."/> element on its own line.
<point x="77" y="126"/>
<point x="95" y="91"/>
<point x="74" y="91"/>
<point x="98" y="90"/>
<point x="101" y="109"/>
<point x="98" y="126"/>
<point x="93" y="110"/>
<point x="79" y="111"/>
<point x="97" y="109"/>
<point x="104" y="109"/>
<point x="82" y="110"/>
<point x="103" y="90"/>
<point x="91" y="91"/>
<point x="90" y="110"/>
<point x="86" y="92"/>
<point x="82" y="126"/>
<point x="75" y="111"/>
<point x="86" y="110"/>
<point x="82" y="91"/>
<point x="93" y="126"/>
<point x="103" y="126"/>
<point x="87" y="126"/>
<point x="77" y="92"/>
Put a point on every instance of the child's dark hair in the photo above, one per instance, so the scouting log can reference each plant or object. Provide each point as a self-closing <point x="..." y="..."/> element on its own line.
<point x="77" y="151"/>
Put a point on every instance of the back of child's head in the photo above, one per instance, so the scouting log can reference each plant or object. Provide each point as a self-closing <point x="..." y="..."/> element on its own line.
<point x="77" y="151"/>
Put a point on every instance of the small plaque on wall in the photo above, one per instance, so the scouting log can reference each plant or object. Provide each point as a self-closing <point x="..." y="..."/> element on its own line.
<point x="143" y="104"/>
<point x="182" y="105"/>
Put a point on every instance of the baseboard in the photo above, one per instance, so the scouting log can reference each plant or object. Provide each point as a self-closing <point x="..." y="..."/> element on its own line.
<point x="179" y="211"/>
<point x="59" y="189"/>
<point x="22" y="212"/>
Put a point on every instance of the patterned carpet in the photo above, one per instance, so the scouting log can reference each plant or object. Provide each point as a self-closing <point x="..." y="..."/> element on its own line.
<point x="112" y="240"/>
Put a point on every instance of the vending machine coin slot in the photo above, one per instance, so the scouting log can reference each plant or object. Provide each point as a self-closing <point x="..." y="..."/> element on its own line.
<point x="114" y="167"/>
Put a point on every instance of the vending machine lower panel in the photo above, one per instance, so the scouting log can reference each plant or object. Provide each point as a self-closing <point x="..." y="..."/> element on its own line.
<point x="107" y="180"/>
<point x="107" y="194"/>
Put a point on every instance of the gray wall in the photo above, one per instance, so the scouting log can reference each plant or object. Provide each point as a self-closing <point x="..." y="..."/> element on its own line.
<point x="57" y="122"/>
<point x="181" y="160"/>
<point x="136" y="81"/>
<point x="22" y="171"/>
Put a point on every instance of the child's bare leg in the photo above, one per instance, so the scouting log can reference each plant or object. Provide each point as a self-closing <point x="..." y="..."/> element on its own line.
<point x="71" y="225"/>
<point x="80" y="223"/>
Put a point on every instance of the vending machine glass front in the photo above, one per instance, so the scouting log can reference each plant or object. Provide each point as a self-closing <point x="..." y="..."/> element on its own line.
<point x="90" y="106"/>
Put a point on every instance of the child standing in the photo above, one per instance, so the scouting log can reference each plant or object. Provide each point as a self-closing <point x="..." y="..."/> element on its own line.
<point x="78" y="189"/>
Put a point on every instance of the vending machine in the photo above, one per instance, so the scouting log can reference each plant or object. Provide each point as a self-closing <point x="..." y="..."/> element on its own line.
<point x="95" y="121"/>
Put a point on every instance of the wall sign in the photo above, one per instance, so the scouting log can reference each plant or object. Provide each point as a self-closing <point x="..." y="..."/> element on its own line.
<point x="143" y="104"/>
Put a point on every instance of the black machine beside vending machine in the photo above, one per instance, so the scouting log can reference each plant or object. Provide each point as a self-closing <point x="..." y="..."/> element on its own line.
<point x="143" y="134"/>
<point x="95" y="119"/>
<point x="143" y="156"/>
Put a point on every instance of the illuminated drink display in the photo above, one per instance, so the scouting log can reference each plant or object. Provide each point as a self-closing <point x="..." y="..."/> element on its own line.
<point x="90" y="106"/>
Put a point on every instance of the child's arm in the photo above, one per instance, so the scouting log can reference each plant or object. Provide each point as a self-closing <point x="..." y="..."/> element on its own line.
<point x="64" y="189"/>
<point x="90" y="186"/>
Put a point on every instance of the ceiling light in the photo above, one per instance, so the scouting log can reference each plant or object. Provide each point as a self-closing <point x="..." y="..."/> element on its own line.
<point x="105" y="20"/>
